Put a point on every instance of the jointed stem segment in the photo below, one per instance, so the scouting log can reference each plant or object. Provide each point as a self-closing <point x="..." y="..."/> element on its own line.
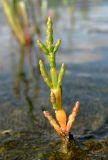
<point x="44" y="73"/>
<point x="49" y="39"/>
<point x="61" y="75"/>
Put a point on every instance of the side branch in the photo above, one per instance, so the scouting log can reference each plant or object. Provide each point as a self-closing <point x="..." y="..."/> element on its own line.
<point x="72" y="116"/>
<point x="45" y="74"/>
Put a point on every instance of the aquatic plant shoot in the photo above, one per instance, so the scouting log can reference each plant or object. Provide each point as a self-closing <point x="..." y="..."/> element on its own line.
<point x="62" y="124"/>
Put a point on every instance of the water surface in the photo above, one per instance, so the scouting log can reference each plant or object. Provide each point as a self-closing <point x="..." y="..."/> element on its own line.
<point x="24" y="132"/>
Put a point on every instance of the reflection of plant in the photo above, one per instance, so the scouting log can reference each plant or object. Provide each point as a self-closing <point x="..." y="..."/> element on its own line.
<point x="55" y="85"/>
<point x="28" y="99"/>
<point x="17" y="13"/>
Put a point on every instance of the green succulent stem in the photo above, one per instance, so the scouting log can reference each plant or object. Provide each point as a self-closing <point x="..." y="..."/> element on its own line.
<point x="56" y="94"/>
<point x="49" y="39"/>
<point x="45" y="74"/>
<point x="53" y="71"/>
<point x="55" y="83"/>
<point x="61" y="75"/>
<point x="42" y="47"/>
<point x="57" y="45"/>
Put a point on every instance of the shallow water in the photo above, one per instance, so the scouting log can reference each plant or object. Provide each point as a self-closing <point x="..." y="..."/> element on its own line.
<point x="24" y="132"/>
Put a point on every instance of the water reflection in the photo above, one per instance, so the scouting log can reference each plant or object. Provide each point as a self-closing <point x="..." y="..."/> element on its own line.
<point x="33" y="70"/>
<point x="29" y="91"/>
<point x="22" y="19"/>
<point x="28" y="98"/>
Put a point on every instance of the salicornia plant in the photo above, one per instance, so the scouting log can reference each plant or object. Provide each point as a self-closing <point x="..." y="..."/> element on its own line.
<point x="54" y="82"/>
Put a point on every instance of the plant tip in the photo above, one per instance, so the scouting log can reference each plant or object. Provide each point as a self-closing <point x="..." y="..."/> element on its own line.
<point x="77" y="107"/>
<point x="77" y="103"/>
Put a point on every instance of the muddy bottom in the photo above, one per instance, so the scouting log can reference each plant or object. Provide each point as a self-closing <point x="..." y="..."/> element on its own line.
<point x="34" y="146"/>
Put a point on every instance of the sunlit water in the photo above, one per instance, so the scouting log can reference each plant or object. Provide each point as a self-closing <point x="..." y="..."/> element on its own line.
<point x="24" y="133"/>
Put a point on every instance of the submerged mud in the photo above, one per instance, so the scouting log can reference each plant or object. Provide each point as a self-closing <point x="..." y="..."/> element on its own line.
<point x="32" y="145"/>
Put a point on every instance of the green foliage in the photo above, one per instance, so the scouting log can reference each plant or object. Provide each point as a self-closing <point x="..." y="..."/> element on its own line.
<point x="54" y="81"/>
<point x="50" y="50"/>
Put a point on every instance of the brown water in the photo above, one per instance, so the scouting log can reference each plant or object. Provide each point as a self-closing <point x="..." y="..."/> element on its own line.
<point x="24" y="132"/>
